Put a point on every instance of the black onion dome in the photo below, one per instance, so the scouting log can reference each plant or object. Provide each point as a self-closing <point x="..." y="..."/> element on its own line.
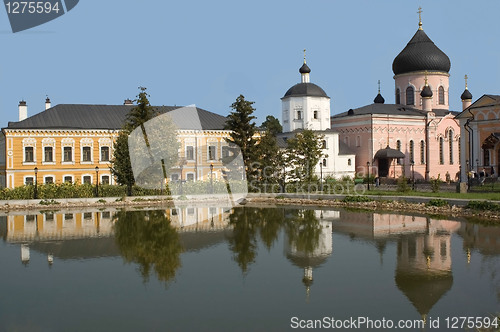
<point x="421" y="54"/>
<point x="304" y="69"/>
<point x="305" y="89"/>
<point x="379" y="99"/>
<point x="466" y="95"/>
<point x="426" y="92"/>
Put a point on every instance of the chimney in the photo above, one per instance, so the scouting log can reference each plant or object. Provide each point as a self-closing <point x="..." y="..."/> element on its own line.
<point x="128" y="102"/>
<point x="47" y="103"/>
<point x="23" y="110"/>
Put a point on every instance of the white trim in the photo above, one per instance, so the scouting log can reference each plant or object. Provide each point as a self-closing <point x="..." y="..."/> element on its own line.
<point x="49" y="176"/>
<point x="28" y="176"/>
<point x="70" y="175"/>
<point x="102" y="175"/>
<point x="91" y="178"/>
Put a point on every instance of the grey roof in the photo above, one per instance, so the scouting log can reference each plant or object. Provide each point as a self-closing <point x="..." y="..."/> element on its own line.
<point x="82" y="116"/>
<point x="421" y="54"/>
<point x="392" y="109"/>
<point x="305" y="89"/>
<point x="388" y="153"/>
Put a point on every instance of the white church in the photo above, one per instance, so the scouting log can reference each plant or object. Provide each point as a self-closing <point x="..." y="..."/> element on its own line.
<point x="306" y="106"/>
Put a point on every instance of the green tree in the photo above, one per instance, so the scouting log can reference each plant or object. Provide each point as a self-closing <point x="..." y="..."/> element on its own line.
<point x="272" y="125"/>
<point x="148" y="239"/>
<point x="243" y="129"/>
<point x="268" y="161"/>
<point x="304" y="151"/>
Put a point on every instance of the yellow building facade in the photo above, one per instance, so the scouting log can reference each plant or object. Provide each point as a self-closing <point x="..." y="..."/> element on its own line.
<point x="75" y="143"/>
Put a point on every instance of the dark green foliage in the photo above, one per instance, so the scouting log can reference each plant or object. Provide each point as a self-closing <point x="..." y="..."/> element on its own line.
<point x="120" y="163"/>
<point x="483" y="206"/>
<point x="437" y="202"/>
<point x="148" y="239"/>
<point x="269" y="160"/>
<point x="243" y="129"/>
<point x="436" y="183"/>
<point x="403" y="184"/>
<point x="272" y="125"/>
<point x="356" y="199"/>
<point x="303" y="154"/>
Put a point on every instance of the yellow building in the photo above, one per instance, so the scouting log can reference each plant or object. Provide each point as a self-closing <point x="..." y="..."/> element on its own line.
<point x="74" y="143"/>
<point x="480" y="144"/>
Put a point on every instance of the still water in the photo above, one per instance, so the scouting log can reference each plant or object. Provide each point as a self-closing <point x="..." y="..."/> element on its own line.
<point x="212" y="268"/>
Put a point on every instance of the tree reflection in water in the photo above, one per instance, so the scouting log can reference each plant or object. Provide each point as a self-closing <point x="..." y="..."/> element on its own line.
<point x="148" y="239"/>
<point x="303" y="230"/>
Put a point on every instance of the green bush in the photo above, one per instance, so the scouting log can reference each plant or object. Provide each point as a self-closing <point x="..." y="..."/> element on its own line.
<point x="403" y="184"/>
<point x="483" y="206"/>
<point x="356" y="199"/>
<point x="436" y="183"/>
<point x="437" y="202"/>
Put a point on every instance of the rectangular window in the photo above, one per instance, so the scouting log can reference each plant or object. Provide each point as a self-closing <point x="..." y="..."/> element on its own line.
<point x="211" y="152"/>
<point x="49" y="179"/>
<point x="105" y="215"/>
<point x="189" y="153"/>
<point x="105" y="179"/>
<point x="398" y="147"/>
<point x="87" y="179"/>
<point x="104" y="153"/>
<point x="68" y="153"/>
<point x="28" y="154"/>
<point x="190" y="177"/>
<point x="174" y="177"/>
<point x="299" y="115"/>
<point x="48" y="154"/>
<point x="29" y="181"/>
<point x="68" y="179"/>
<point x="225" y="151"/>
<point x="422" y="152"/>
<point x="86" y="155"/>
<point x="315" y="114"/>
<point x="49" y="216"/>
<point x="87" y="215"/>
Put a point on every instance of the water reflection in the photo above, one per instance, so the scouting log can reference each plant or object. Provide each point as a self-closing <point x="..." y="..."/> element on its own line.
<point x="422" y="252"/>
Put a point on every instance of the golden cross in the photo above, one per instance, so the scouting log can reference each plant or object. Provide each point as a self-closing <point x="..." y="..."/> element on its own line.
<point x="378" y="86"/>
<point x="419" y="18"/>
<point x="466" y="77"/>
<point x="304" y="55"/>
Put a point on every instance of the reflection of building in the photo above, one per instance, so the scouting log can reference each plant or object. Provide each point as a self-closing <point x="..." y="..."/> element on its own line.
<point x="67" y="142"/>
<point x="83" y="235"/>
<point x="310" y="248"/>
<point x="423" y="270"/>
<point x="418" y="127"/>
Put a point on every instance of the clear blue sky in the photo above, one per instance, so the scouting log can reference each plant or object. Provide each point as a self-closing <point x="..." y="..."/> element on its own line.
<point x="208" y="52"/>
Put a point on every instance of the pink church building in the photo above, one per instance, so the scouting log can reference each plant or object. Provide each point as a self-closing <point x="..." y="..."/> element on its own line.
<point x="418" y="134"/>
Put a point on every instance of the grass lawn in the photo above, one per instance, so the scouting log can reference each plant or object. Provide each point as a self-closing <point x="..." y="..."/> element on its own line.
<point x="494" y="196"/>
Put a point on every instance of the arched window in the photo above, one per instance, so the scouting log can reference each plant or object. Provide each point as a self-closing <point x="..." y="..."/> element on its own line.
<point x="412" y="150"/>
<point x="441" y="152"/>
<point x="450" y="142"/>
<point x="398" y="96"/>
<point x="398" y="147"/>
<point x="459" y="150"/>
<point x="441" y="95"/>
<point x="410" y="96"/>
<point x="323" y="144"/>
<point x="422" y="152"/>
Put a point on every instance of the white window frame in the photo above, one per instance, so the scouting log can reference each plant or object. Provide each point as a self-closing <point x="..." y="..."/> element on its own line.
<point x="186" y="152"/>
<point x="29" y="142"/>
<point x="91" y="178"/>
<point x="28" y="176"/>
<point x="105" y="142"/>
<point x="49" y="142"/>
<point x="66" y="175"/>
<point x="214" y="145"/>
<point x="103" y="175"/>
<point x="87" y="143"/>
<point x="49" y="176"/>
<point x="191" y="173"/>
<point x="68" y="143"/>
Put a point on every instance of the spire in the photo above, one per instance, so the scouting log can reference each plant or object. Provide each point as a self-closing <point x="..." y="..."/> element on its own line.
<point x="379" y="99"/>
<point x="305" y="70"/>
<point x="466" y="95"/>
<point x="419" y="18"/>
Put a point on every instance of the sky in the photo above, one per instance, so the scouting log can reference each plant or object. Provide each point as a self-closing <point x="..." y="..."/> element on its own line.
<point x="207" y="53"/>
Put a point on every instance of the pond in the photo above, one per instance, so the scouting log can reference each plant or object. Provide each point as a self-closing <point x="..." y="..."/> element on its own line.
<point x="216" y="268"/>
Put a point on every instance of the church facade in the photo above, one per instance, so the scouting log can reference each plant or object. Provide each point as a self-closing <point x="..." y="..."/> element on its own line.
<point x="418" y="136"/>
<point x="307" y="106"/>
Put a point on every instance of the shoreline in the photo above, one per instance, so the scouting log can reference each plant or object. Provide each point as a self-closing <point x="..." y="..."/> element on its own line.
<point x="456" y="207"/>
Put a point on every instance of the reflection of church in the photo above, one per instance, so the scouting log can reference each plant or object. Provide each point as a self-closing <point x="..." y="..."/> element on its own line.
<point x="317" y="251"/>
<point x="423" y="270"/>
